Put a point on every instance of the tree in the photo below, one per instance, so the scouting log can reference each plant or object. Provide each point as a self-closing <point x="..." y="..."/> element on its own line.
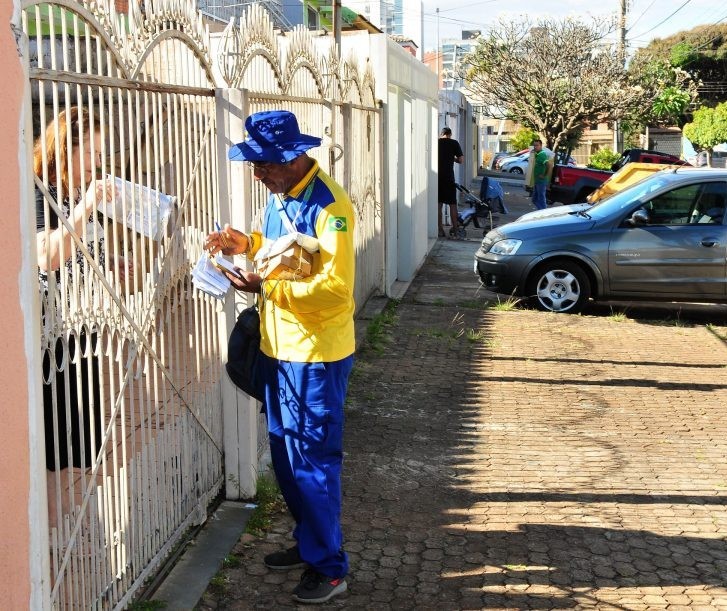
<point x="523" y="138"/>
<point x="702" y="51"/>
<point x="709" y="127"/>
<point x="558" y="77"/>
<point x="673" y="87"/>
<point x="603" y="159"/>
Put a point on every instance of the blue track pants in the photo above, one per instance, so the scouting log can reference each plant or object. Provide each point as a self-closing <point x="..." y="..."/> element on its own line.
<point x="304" y="408"/>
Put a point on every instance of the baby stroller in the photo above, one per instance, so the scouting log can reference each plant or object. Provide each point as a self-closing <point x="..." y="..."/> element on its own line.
<point x="480" y="207"/>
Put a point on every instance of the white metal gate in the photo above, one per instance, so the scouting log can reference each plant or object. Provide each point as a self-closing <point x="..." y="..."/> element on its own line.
<point x="131" y="353"/>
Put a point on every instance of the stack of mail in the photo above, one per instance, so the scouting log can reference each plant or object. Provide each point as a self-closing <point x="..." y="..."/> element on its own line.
<point x="142" y="208"/>
<point x="208" y="278"/>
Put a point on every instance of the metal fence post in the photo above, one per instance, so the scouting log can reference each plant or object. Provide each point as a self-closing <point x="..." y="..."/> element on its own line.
<point x="239" y="411"/>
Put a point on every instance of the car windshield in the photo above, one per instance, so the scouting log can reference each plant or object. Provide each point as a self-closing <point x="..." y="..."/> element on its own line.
<point x="623" y="199"/>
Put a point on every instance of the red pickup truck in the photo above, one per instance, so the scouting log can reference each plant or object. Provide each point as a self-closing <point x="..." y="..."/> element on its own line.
<point x="570" y="184"/>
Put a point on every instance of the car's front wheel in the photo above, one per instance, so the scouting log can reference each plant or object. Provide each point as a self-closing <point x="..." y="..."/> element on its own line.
<point x="559" y="286"/>
<point x="516" y="171"/>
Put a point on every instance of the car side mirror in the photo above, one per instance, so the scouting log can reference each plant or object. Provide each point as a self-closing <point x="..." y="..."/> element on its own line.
<point x="639" y="217"/>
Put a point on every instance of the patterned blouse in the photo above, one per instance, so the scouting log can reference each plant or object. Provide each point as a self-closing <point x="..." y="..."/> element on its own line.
<point x="94" y="228"/>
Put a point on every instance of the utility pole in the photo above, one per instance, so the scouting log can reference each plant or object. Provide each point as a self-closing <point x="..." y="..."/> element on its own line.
<point x="622" y="34"/>
<point x="439" y="56"/>
<point x="337" y="25"/>
<point x="617" y="138"/>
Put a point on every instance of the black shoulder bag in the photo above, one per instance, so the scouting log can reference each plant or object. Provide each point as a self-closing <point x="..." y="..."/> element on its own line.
<point x="243" y="350"/>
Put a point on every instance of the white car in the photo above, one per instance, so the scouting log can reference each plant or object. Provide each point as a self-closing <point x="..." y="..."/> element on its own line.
<point x="515" y="159"/>
<point x="520" y="166"/>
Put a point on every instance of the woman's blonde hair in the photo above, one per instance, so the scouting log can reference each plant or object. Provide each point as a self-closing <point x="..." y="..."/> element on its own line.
<point x="66" y="124"/>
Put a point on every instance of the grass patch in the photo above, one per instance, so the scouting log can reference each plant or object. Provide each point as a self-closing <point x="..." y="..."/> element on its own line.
<point x="617" y="316"/>
<point x="269" y="502"/>
<point x="508" y="305"/>
<point x="475" y="335"/>
<point x="435" y="333"/>
<point x="717" y="331"/>
<point x="474" y="304"/>
<point x="147" y="605"/>
<point x="378" y="330"/>
<point x="218" y="582"/>
<point x="231" y="562"/>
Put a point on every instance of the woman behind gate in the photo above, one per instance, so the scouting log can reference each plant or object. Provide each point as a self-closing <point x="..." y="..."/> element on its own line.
<point x="66" y="157"/>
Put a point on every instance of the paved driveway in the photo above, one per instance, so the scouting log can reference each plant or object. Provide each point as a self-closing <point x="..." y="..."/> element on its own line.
<point x="515" y="459"/>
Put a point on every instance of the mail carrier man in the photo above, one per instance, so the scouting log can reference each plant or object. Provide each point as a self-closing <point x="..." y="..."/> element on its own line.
<point x="307" y="339"/>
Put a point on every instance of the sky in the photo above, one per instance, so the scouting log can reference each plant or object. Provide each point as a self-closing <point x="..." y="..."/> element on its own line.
<point x="646" y="19"/>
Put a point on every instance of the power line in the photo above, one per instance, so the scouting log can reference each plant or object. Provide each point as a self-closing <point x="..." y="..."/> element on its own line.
<point x="643" y="13"/>
<point x="456" y="8"/>
<point x="664" y="20"/>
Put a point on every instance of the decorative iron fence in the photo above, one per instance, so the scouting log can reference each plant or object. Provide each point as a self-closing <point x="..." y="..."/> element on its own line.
<point x="127" y="120"/>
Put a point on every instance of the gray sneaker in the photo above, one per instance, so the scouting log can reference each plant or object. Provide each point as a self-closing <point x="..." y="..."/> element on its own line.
<point x="285" y="560"/>
<point x="315" y="587"/>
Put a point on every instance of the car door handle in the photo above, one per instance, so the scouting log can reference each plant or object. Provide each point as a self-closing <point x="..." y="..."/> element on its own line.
<point x="710" y="242"/>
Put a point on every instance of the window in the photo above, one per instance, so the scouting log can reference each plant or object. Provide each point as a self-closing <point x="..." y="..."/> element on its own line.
<point x="710" y="205"/>
<point x="673" y="207"/>
<point x="692" y="204"/>
<point x="312" y="18"/>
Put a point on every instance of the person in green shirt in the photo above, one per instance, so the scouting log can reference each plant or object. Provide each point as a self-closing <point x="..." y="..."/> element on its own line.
<point x="540" y="175"/>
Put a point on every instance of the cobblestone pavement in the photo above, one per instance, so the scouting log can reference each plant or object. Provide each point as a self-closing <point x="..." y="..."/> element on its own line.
<point x="503" y="459"/>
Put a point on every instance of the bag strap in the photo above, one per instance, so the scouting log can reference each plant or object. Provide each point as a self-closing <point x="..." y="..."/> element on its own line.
<point x="290" y="225"/>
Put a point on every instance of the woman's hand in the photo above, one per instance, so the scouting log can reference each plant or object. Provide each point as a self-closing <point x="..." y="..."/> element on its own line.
<point x="124" y="267"/>
<point x="229" y="241"/>
<point x="99" y="190"/>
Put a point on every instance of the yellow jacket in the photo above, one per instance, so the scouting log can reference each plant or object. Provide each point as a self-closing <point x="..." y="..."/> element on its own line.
<point x="311" y="319"/>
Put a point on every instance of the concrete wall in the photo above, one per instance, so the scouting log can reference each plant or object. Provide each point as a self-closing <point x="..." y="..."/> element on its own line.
<point x="17" y="258"/>
<point x="409" y="91"/>
<point x="456" y="113"/>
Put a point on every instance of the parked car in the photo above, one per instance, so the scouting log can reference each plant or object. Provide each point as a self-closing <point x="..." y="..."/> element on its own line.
<point x="508" y="157"/>
<point x="662" y="238"/>
<point x="499" y="155"/>
<point x="698" y="160"/>
<point x="570" y="185"/>
<point x="515" y="162"/>
<point x="520" y="166"/>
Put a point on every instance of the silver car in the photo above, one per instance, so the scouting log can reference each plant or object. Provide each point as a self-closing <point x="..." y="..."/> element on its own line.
<point x="664" y="238"/>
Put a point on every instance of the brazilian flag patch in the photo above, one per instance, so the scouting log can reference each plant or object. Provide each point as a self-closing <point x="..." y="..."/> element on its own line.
<point x="337" y="223"/>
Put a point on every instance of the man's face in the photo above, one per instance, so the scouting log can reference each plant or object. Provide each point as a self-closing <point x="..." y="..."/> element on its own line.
<point x="538" y="146"/>
<point x="277" y="177"/>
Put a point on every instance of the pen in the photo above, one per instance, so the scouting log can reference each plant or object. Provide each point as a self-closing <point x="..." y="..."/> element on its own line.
<point x="217" y="226"/>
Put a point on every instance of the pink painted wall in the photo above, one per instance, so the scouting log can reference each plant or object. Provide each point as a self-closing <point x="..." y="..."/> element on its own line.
<point x="14" y="450"/>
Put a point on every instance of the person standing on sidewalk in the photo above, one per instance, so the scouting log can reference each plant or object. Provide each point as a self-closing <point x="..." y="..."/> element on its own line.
<point x="307" y="342"/>
<point x="540" y="175"/>
<point x="450" y="152"/>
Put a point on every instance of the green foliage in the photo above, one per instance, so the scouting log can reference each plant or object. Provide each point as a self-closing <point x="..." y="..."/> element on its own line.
<point x="523" y="138"/>
<point x="231" y="562"/>
<point x="147" y="605"/>
<point x="709" y="127"/>
<point x="475" y="335"/>
<point x="376" y="332"/>
<point x="508" y="305"/>
<point x="701" y="51"/>
<point x="269" y="502"/>
<point x="673" y="90"/>
<point x="603" y="159"/>
<point x="670" y="103"/>
<point x="683" y="54"/>
<point x="218" y="582"/>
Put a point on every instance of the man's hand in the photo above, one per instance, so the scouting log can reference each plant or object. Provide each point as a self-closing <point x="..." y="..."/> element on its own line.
<point x="248" y="282"/>
<point x="229" y="241"/>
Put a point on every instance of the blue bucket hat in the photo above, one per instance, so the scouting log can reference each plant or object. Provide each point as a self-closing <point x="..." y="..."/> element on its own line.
<point x="273" y="136"/>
